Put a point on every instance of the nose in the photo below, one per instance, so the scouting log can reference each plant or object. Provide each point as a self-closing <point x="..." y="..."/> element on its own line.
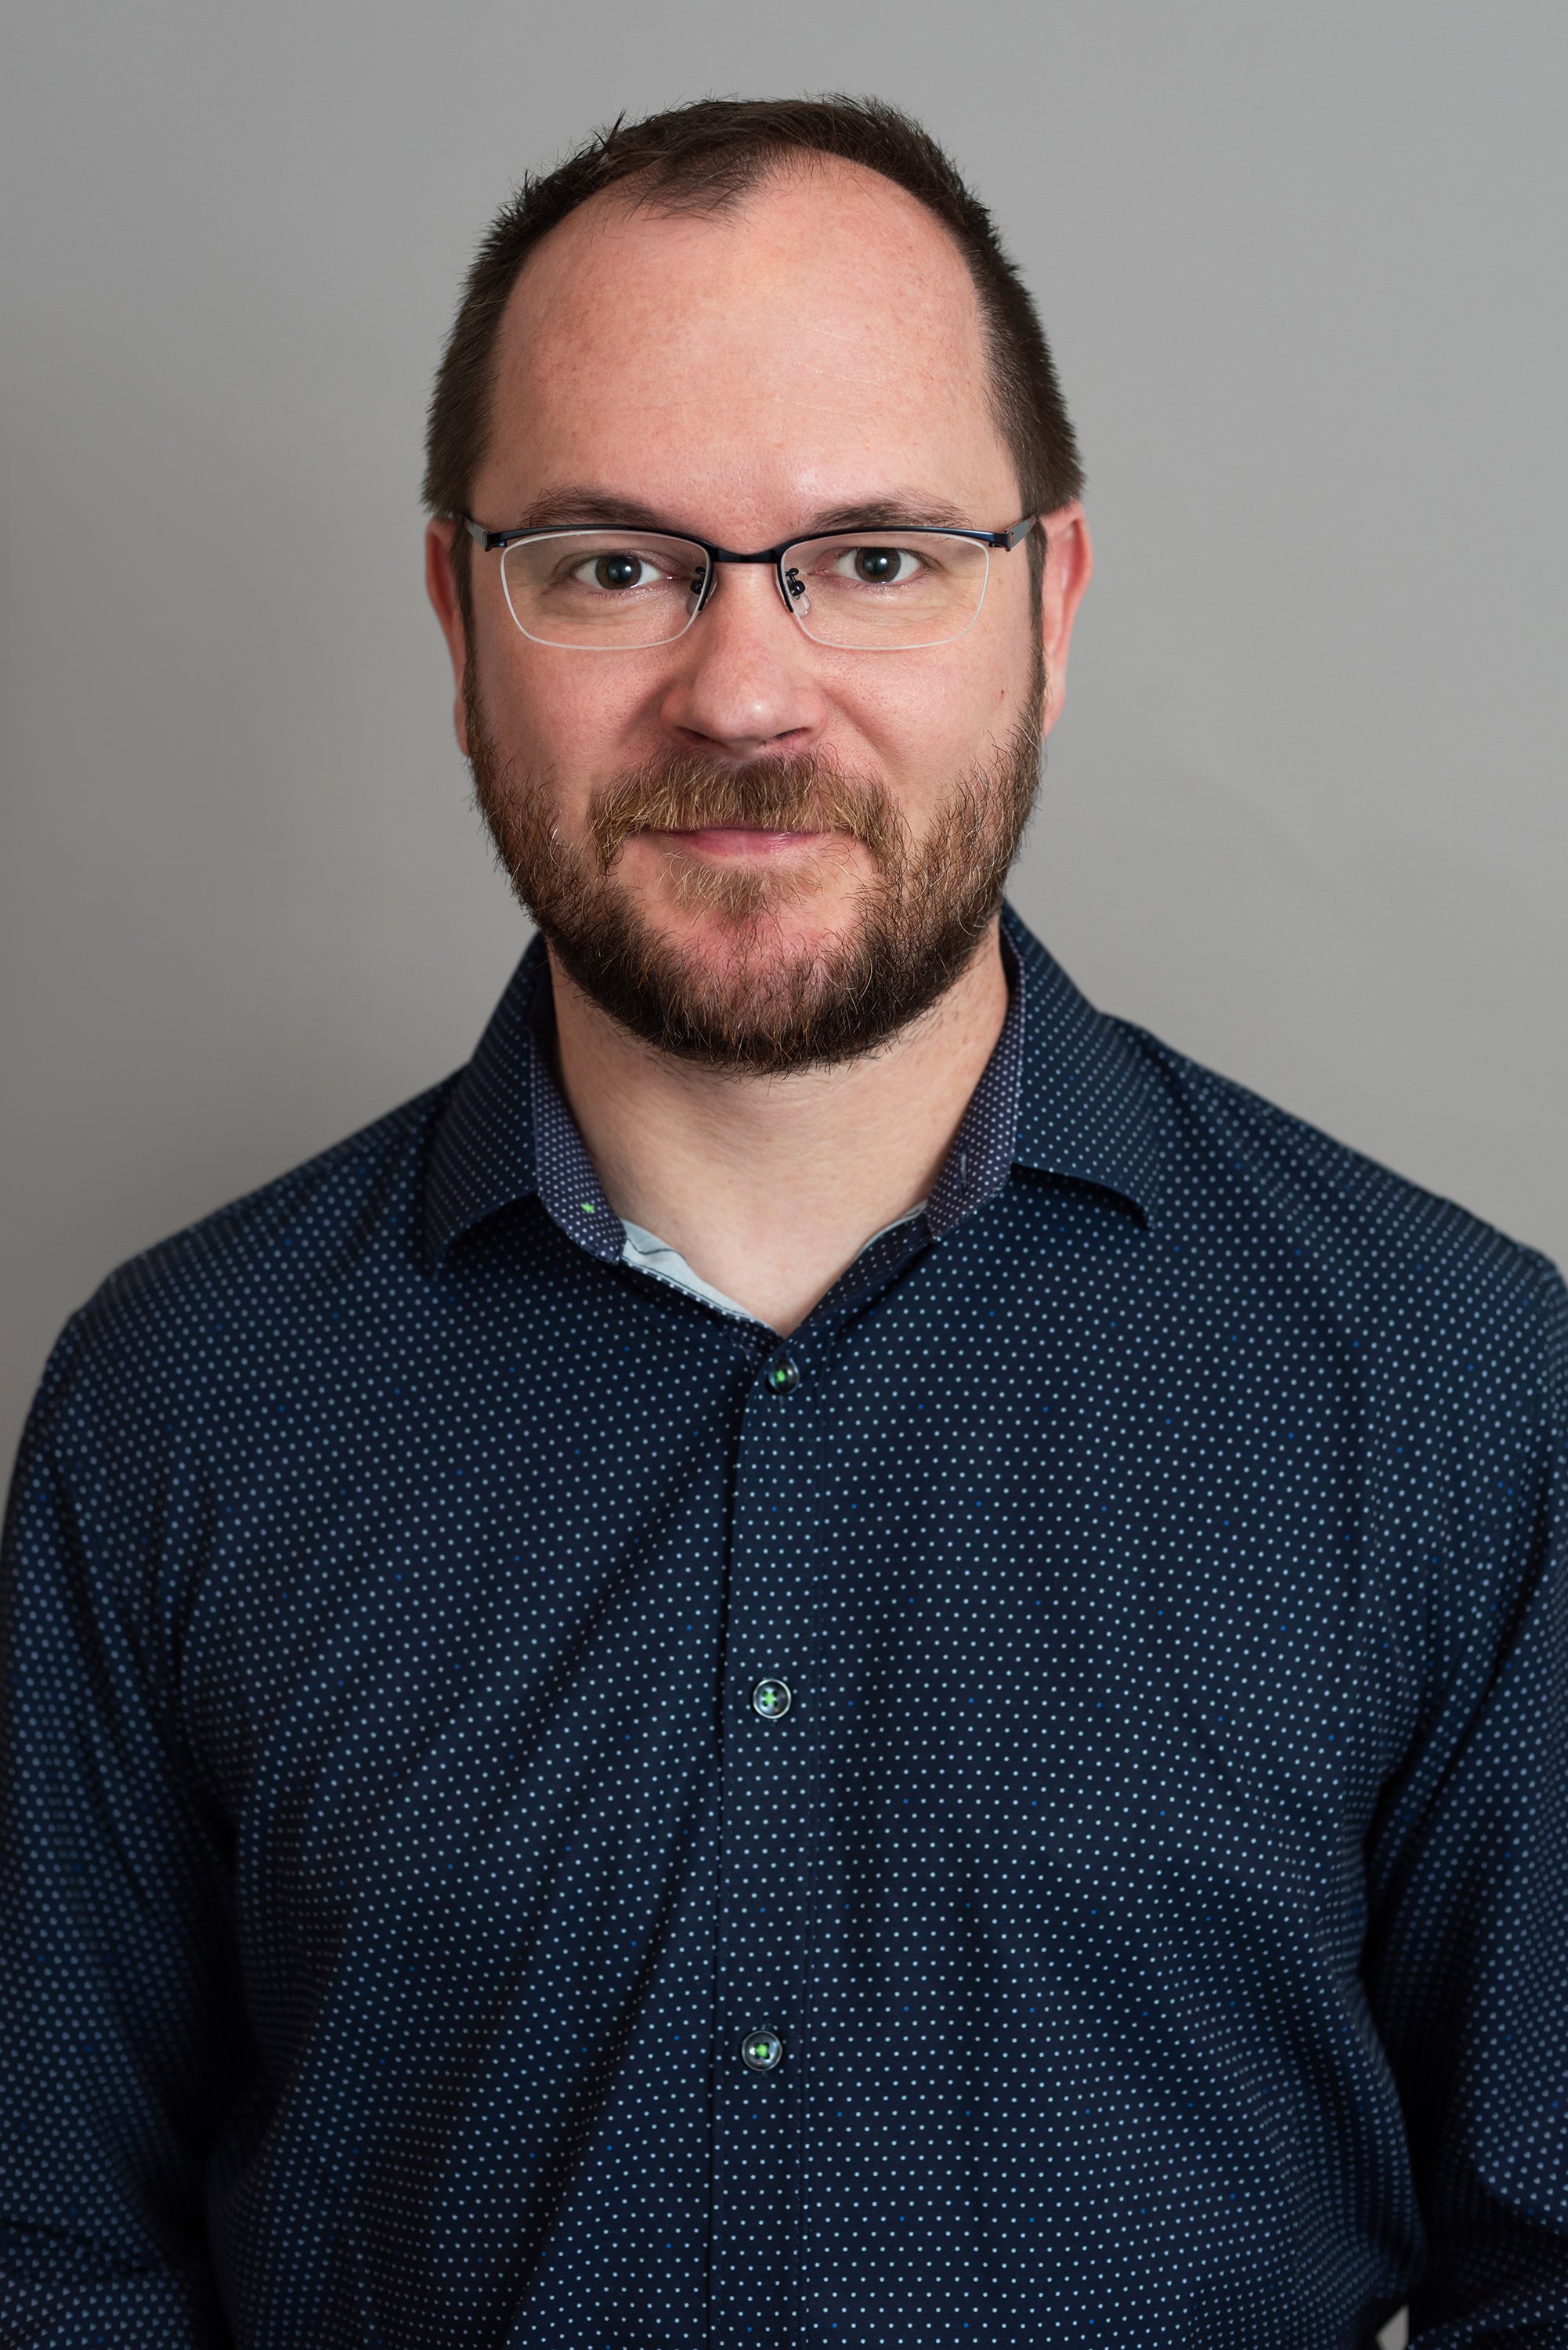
<point x="745" y="678"/>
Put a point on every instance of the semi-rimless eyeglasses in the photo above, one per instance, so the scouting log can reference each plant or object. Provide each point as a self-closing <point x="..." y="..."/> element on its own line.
<point x="621" y="588"/>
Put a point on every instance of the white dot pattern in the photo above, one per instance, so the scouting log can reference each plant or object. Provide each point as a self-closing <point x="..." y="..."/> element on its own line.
<point x="1154" y="1886"/>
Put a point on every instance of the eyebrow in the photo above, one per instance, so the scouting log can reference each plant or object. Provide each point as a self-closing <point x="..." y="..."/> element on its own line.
<point x="578" y="502"/>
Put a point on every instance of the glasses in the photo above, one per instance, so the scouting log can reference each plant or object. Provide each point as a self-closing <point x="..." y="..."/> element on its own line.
<point x="622" y="589"/>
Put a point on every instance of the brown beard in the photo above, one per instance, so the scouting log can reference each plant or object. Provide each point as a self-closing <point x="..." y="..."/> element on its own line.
<point x="919" y="917"/>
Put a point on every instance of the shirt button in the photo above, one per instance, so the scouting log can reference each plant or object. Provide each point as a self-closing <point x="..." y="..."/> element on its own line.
<point x="771" y="1700"/>
<point x="781" y="1376"/>
<point x="761" y="2050"/>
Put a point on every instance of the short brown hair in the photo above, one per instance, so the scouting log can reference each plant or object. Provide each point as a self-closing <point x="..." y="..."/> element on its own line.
<point x="704" y="158"/>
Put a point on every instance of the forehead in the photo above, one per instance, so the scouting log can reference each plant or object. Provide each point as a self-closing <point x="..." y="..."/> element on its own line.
<point x="820" y="340"/>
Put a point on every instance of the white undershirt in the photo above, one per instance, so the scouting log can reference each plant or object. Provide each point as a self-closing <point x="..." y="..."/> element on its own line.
<point x="648" y="1254"/>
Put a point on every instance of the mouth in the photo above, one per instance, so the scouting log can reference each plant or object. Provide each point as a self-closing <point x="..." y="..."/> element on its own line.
<point x="729" y="841"/>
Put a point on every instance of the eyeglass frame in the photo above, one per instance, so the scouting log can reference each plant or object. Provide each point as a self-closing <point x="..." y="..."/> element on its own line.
<point x="490" y="541"/>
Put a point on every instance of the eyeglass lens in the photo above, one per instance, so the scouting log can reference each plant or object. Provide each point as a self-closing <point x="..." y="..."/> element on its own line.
<point x="618" y="590"/>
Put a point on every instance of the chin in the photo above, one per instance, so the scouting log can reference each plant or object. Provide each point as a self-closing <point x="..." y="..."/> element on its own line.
<point x="806" y="895"/>
<point x="717" y="914"/>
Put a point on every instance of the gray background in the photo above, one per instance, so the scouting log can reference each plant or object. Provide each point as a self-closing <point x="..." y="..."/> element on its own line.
<point x="1303" y="269"/>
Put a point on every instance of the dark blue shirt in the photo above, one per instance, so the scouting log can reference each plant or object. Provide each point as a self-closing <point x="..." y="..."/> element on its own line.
<point x="1140" y="1922"/>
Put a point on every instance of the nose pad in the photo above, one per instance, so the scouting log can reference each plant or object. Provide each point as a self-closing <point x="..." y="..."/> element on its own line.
<point x="792" y="587"/>
<point x="698" y="592"/>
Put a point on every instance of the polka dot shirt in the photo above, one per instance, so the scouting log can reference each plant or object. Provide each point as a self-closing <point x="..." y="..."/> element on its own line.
<point x="539" y="1814"/>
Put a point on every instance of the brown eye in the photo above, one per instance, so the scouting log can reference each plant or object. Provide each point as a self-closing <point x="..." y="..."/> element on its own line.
<point x="877" y="565"/>
<point x="880" y="566"/>
<point x="617" y="570"/>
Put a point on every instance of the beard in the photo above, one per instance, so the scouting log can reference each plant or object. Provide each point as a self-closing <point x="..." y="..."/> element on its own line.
<point x="767" y="1003"/>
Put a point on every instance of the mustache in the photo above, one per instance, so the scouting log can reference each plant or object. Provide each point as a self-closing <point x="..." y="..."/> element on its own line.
<point x="689" y="791"/>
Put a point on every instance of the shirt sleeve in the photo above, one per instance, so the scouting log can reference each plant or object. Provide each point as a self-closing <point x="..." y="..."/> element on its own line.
<point x="119" y="2030"/>
<point x="1467" y="1964"/>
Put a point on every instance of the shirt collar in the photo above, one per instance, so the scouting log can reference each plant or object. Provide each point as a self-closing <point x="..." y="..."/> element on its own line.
<point x="1090" y="1107"/>
<point x="1066" y="1093"/>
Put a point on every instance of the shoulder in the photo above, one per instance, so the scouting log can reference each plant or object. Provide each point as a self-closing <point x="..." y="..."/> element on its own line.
<point x="259" y="1277"/>
<point x="1377" y="1251"/>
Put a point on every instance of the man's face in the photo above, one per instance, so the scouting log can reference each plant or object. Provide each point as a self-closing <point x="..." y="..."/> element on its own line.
<point x="754" y="849"/>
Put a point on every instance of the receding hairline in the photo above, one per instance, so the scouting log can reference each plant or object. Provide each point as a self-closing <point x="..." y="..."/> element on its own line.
<point x="641" y="194"/>
<point x="651" y="190"/>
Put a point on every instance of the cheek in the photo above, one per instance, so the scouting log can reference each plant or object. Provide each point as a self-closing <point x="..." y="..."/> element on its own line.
<point x="934" y="715"/>
<point x="568" y="715"/>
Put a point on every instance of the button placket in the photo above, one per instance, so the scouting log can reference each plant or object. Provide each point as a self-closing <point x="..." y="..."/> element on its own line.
<point x="766" y="1864"/>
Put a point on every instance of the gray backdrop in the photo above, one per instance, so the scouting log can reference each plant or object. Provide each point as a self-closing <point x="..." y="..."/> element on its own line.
<point x="1303" y="269"/>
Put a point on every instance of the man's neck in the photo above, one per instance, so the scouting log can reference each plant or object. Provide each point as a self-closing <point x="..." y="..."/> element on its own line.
<point x="769" y="1187"/>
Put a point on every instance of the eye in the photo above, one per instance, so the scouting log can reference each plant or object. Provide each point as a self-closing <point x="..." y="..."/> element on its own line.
<point x="879" y="567"/>
<point x="617" y="570"/>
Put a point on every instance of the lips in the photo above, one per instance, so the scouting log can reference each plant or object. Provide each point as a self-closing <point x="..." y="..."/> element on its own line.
<point x="739" y="840"/>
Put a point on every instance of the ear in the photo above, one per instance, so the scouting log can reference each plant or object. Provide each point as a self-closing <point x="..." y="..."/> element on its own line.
<point x="1069" y="565"/>
<point x="440" y="586"/>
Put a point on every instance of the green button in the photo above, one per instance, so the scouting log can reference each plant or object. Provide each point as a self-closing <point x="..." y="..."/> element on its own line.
<point x="771" y="1698"/>
<point x="761" y="2050"/>
<point x="781" y="1376"/>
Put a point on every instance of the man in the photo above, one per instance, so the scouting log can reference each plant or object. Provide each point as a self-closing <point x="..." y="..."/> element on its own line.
<point x="834" y="1654"/>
